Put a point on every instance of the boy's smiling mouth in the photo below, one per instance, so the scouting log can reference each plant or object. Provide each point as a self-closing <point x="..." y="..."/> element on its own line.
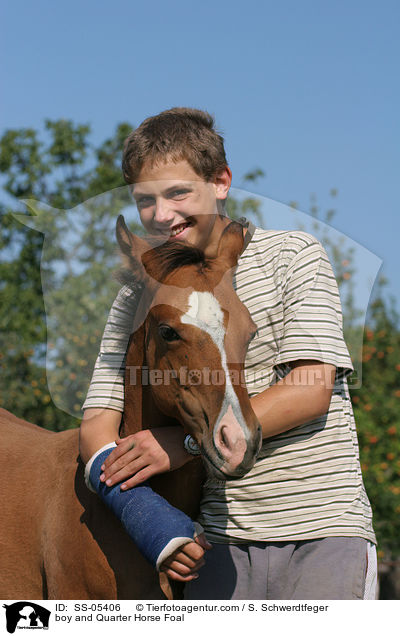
<point x="177" y="230"/>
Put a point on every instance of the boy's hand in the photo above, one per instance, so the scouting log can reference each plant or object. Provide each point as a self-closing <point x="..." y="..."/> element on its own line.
<point x="144" y="454"/>
<point x="183" y="564"/>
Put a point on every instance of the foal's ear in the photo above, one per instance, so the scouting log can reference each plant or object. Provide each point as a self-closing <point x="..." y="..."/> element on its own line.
<point x="230" y="245"/>
<point x="132" y="248"/>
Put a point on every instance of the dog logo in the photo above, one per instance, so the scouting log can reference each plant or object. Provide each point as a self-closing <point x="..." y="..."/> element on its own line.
<point x="26" y="615"/>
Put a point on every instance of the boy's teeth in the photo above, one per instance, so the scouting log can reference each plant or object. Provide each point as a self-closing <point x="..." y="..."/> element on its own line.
<point x="179" y="229"/>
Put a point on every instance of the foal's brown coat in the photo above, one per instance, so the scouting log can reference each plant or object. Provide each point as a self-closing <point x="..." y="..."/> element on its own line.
<point x="58" y="540"/>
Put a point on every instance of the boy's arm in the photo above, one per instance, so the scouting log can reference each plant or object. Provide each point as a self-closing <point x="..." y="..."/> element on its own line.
<point x="145" y="454"/>
<point x="301" y="396"/>
<point x="311" y="341"/>
<point x="98" y="428"/>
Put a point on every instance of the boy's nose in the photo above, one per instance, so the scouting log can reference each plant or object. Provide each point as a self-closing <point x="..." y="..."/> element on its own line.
<point x="163" y="213"/>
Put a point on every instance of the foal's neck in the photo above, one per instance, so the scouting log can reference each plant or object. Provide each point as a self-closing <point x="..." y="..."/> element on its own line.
<point x="143" y="414"/>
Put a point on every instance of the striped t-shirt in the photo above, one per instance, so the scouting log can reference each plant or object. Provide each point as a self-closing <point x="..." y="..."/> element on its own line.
<point x="306" y="482"/>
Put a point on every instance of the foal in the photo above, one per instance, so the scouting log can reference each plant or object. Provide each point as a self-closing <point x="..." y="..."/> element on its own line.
<point x="192" y="333"/>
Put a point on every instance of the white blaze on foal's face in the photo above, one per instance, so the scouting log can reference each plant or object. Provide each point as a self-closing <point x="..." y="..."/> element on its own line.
<point x="205" y="313"/>
<point x="230" y="431"/>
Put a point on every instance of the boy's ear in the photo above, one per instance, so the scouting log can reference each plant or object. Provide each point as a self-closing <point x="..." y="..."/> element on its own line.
<point x="222" y="182"/>
<point x="132" y="248"/>
<point x="230" y="245"/>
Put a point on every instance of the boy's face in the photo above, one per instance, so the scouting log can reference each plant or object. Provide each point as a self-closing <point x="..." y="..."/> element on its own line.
<point x="175" y="202"/>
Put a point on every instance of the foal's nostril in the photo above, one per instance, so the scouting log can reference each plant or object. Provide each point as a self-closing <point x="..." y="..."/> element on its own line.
<point x="223" y="438"/>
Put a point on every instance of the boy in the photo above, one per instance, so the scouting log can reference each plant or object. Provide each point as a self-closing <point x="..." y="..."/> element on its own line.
<point x="298" y="526"/>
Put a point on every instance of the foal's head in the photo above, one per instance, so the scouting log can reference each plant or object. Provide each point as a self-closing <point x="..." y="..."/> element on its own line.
<point x="196" y="334"/>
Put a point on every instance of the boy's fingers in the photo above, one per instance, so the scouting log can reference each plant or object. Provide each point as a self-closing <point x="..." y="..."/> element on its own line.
<point x="179" y="568"/>
<point x="136" y="471"/>
<point x="178" y="577"/>
<point x="139" y="478"/>
<point x="183" y="559"/>
<point x="126" y="468"/>
<point x="123" y="446"/>
<point x="113" y="456"/>
<point x="193" y="550"/>
<point x="113" y="464"/>
<point x="111" y="478"/>
<point x="184" y="562"/>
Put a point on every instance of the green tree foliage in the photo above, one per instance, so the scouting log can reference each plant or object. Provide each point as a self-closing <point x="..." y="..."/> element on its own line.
<point x="377" y="411"/>
<point x="249" y="205"/>
<point x="61" y="168"/>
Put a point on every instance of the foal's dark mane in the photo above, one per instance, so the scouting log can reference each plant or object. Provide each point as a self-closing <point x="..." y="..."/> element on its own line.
<point x="171" y="256"/>
<point x="164" y="259"/>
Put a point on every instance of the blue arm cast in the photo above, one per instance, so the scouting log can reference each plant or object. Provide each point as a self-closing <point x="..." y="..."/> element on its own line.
<point x="155" y="526"/>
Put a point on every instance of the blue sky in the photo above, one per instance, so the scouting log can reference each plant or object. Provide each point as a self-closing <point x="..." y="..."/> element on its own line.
<point x="308" y="91"/>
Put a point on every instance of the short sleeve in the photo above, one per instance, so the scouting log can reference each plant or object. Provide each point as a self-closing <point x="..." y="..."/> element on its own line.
<point x="312" y="314"/>
<point x="106" y="388"/>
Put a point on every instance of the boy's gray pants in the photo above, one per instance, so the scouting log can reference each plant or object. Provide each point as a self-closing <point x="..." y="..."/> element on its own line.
<point x="333" y="568"/>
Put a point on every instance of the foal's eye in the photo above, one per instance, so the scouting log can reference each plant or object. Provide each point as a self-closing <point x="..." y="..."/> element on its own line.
<point x="167" y="333"/>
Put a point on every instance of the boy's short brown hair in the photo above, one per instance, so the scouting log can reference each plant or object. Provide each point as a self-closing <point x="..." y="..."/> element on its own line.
<point x="176" y="134"/>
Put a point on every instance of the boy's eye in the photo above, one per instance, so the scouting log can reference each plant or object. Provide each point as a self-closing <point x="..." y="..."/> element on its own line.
<point x="144" y="202"/>
<point x="178" y="194"/>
